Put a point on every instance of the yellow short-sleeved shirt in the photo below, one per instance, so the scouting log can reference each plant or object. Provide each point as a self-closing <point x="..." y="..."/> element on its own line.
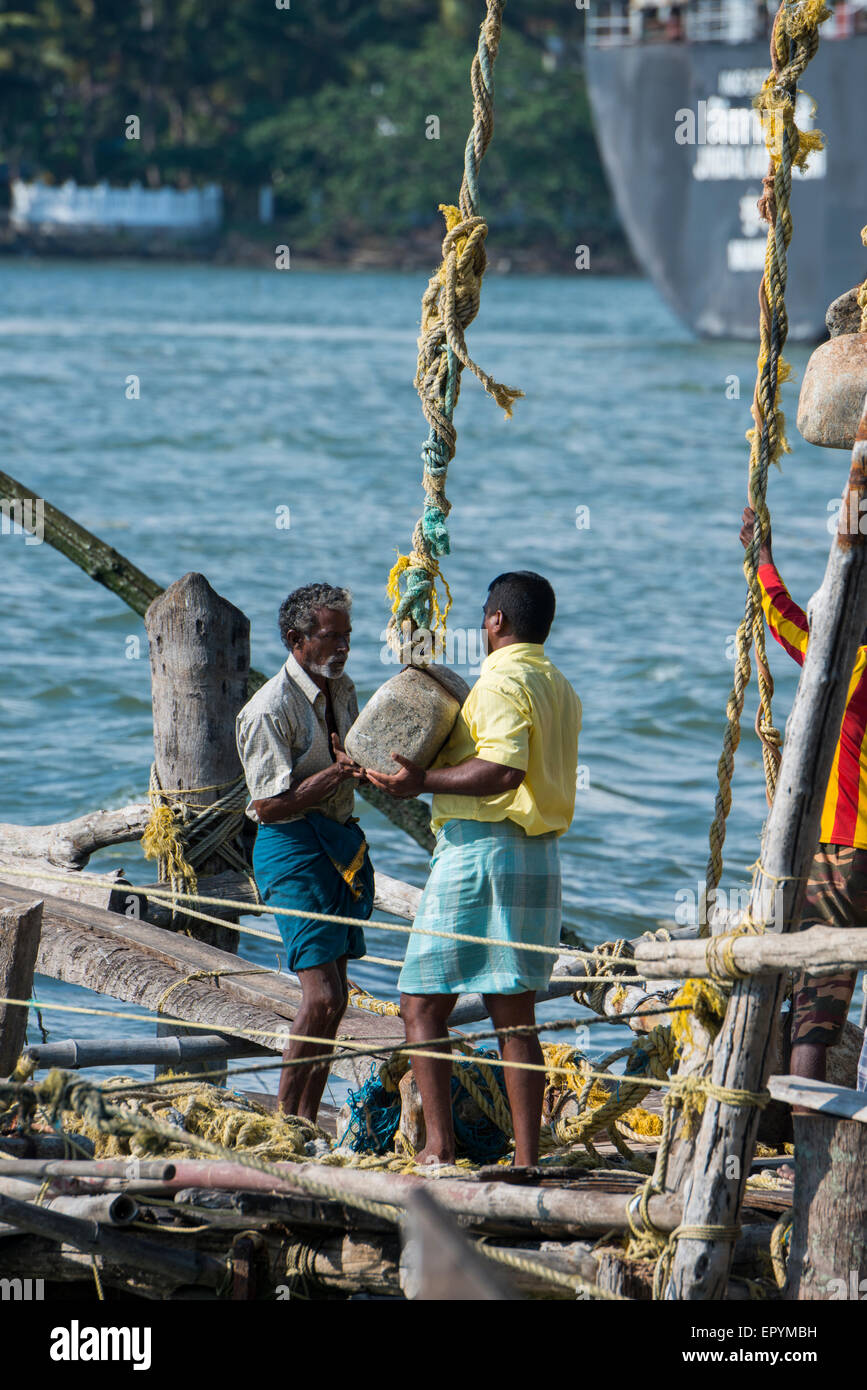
<point x="522" y="712"/>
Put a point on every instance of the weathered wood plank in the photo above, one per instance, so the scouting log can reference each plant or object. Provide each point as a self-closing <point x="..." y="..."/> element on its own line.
<point x="820" y="1096"/>
<point x="20" y="925"/>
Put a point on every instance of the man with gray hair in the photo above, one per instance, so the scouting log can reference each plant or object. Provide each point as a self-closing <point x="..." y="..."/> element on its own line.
<point x="310" y="853"/>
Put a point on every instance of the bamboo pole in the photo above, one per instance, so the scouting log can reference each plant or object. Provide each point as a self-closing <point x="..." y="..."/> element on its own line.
<point x="108" y="567"/>
<point x="701" y="1262"/>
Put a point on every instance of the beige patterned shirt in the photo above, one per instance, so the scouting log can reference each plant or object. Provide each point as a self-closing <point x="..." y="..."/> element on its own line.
<point x="282" y="737"/>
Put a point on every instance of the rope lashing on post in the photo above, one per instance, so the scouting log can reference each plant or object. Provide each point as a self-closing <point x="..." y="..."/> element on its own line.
<point x="648" y="1241"/>
<point x="450" y="303"/>
<point x="181" y="835"/>
<point x="794" y="41"/>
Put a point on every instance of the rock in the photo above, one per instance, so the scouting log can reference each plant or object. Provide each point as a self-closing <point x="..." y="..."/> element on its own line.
<point x="412" y="714"/>
<point x="833" y="391"/>
<point x="844" y="314"/>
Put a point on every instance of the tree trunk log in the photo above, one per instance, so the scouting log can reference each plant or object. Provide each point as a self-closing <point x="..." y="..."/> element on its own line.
<point x="821" y="950"/>
<point x="19" y="943"/>
<point x="700" y="1267"/>
<point x="828" y="1256"/>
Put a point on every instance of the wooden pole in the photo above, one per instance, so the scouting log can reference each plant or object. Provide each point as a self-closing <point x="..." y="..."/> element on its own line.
<point x="828" y="1251"/>
<point x="725" y="1141"/>
<point x="20" y="926"/>
<point x="200" y="662"/>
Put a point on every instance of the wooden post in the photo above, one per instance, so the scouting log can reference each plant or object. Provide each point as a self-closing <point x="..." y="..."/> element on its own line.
<point x="828" y="1252"/>
<point x="725" y="1141"/>
<point x="20" y="925"/>
<point x="200" y="662"/>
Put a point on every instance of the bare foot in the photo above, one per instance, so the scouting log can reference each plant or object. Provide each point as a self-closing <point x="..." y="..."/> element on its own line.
<point x="430" y="1158"/>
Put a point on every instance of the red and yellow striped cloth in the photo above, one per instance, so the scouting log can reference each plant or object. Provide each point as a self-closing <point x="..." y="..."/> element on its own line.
<point x="844" y="815"/>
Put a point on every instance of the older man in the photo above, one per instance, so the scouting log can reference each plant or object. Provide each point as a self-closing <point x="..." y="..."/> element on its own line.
<point x="310" y="853"/>
<point x="504" y="792"/>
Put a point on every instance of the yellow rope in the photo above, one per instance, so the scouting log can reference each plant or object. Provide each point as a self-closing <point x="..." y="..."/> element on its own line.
<point x="779" y="1238"/>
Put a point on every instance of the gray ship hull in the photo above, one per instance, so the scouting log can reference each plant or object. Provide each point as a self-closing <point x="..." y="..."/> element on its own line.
<point x="688" y="209"/>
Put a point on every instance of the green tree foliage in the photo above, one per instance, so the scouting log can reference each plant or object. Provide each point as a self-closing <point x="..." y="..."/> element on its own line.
<point x="327" y="100"/>
<point x="356" y="158"/>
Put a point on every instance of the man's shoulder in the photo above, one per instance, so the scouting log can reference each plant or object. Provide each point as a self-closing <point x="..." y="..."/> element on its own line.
<point x="270" y="698"/>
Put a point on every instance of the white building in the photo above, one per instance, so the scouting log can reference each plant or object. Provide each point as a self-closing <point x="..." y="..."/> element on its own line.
<point x="67" y="206"/>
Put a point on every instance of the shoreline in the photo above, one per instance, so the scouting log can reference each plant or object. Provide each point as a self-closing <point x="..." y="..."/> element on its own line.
<point x="418" y="251"/>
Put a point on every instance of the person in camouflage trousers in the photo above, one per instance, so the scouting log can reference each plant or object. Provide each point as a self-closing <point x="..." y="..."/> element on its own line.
<point x="836" y="896"/>
<point x="836" y="892"/>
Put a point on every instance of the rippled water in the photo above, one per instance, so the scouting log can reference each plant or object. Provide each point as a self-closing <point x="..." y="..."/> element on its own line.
<point x="262" y="390"/>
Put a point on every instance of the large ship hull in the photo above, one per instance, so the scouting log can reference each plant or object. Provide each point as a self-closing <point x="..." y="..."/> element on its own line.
<point x="689" y="208"/>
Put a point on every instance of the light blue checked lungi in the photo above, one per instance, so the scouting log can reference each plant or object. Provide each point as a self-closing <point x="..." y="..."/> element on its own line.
<point x="490" y="880"/>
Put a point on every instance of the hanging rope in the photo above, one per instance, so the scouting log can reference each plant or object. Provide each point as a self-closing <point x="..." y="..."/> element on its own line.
<point x="794" y="42"/>
<point x="449" y="306"/>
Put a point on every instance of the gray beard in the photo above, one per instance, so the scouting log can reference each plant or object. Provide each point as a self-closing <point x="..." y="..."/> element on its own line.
<point x="327" y="668"/>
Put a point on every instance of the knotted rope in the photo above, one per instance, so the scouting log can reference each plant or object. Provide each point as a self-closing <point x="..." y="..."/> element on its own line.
<point x="450" y="303"/>
<point x="794" y="42"/>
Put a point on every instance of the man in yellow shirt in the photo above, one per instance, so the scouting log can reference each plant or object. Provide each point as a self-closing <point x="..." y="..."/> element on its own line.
<point x="504" y="792"/>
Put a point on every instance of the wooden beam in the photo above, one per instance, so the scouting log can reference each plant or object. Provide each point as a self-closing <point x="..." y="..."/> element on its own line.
<point x="184" y="1266"/>
<point x="20" y="925"/>
<point x="136" y="963"/>
<point x="820" y="1096"/>
<point x="742" y="1051"/>
<point x="821" y="950"/>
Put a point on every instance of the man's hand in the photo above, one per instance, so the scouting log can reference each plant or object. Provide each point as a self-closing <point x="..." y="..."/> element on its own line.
<point x="404" y="784"/>
<point x="747" y="528"/>
<point x="343" y="761"/>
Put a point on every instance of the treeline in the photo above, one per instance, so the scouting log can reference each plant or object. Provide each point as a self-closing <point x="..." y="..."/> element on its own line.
<point x="330" y="103"/>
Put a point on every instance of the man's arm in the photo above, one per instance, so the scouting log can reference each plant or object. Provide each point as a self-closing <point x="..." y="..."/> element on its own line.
<point x="474" y="777"/>
<point x="788" y="622"/>
<point x="309" y="792"/>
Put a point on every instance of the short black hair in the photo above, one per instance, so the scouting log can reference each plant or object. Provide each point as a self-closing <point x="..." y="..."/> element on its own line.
<point x="526" y="600"/>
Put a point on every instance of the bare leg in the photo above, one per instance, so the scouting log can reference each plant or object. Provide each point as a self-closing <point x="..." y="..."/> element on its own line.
<point x="807" y="1059"/>
<point x="425" y="1017"/>
<point x="323" y="1004"/>
<point x="525" y="1089"/>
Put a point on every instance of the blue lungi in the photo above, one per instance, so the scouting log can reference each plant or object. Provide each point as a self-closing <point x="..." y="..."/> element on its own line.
<point x="487" y="880"/>
<point x="318" y="864"/>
